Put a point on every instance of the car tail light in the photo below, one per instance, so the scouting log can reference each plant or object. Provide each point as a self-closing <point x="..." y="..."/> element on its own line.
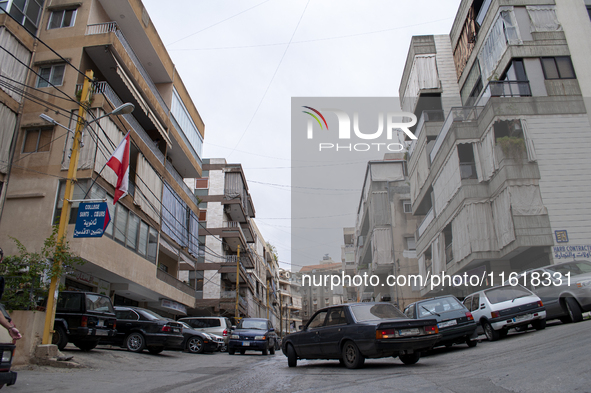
<point x="469" y="316"/>
<point x="84" y="322"/>
<point x="115" y="325"/>
<point x="540" y="304"/>
<point x="495" y="314"/>
<point x="166" y="328"/>
<point x="225" y="332"/>
<point x="433" y="329"/>
<point x="385" y="333"/>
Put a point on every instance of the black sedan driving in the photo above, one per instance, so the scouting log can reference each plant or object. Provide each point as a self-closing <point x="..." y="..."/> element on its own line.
<point x="253" y="334"/>
<point x="456" y="324"/>
<point x="356" y="331"/>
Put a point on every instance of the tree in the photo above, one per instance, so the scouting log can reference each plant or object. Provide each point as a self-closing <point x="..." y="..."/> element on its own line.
<point x="28" y="274"/>
<point x="273" y="251"/>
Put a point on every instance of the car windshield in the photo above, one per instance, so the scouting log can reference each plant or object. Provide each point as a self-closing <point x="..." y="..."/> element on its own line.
<point x="252" y="324"/>
<point x="574" y="268"/>
<point x="99" y="303"/>
<point x="371" y="312"/>
<point x="503" y="294"/>
<point x="151" y="315"/>
<point x="438" y="306"/>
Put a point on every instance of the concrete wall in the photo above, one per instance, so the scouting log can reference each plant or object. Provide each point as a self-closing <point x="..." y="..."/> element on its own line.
<point x="30" y="324"/>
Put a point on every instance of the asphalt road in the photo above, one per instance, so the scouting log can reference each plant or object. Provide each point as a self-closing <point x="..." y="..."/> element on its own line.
<point x="553" y="360"/>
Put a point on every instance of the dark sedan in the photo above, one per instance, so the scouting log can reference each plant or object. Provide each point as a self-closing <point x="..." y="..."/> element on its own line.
<point x="353" y="332"/>
<point x="456" y="324"/>
<point x="196" y="341"/>
<point x="253" y="334"/>
<point x="138" y="328"/>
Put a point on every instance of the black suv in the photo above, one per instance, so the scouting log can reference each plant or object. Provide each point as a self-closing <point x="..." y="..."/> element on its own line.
<point x="83" y="318"/>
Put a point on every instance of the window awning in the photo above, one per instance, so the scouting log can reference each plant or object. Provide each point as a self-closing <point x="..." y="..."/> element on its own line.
<point x="142" y="103"/>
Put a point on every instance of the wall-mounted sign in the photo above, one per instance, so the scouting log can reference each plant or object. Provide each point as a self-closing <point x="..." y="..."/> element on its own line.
<point x="574" y="252"/>
<point x="92" y="220"/>
<point x="561" y="236"/>
<point x="172" y="305"/>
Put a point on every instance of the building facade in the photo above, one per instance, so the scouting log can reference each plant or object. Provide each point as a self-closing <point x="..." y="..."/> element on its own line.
<point x="503" y="136"/>
<point x="385" y="232"/>
<point x="315" y="295"/>
<point x="350" y="294"/>
<point x="153" y="237"/>
<point x="290" y="308"/>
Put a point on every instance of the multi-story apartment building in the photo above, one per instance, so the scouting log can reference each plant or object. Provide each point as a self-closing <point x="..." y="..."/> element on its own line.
<point x="348" y="260"/>
<point x="503" y="138"/>
<point x="227" y="227"/>
<point x="385" y="231"/>
<point x="290" y="306"/>
<point x="153" y="233"/>
<point x="315" y="295"/>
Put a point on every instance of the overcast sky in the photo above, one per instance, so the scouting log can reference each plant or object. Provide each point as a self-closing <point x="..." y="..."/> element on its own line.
<point x="243" y="61"/>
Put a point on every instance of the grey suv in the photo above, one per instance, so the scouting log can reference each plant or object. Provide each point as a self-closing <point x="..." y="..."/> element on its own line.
<point x="221" y="326"/>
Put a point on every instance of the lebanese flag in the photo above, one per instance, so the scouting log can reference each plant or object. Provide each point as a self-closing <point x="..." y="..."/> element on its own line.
<point x="119" y="162"/>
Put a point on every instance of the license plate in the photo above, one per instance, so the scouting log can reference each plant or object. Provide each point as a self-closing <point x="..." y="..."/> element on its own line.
<point x="447" y="324"/>
<point x="102" y="332"/>
<point x="245" y="344"/>
<point x="520" y="318"/>
<point x="101" y="323"/>
<point x="176" y="330"/>
<point x="408" y="332"/>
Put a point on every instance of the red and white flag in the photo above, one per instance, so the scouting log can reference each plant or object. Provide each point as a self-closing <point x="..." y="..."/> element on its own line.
<point x="119" y="162"/>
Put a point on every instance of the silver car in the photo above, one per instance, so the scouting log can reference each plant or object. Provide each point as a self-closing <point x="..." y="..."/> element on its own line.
<point x="220" y="326"/>
<point x="565" y="289"/>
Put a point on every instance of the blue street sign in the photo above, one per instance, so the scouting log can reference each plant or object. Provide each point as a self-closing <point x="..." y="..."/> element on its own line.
<point x="92" y="220"/>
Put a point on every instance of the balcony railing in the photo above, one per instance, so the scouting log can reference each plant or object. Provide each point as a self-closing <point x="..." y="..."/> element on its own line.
<point x="426" y="116"/>
<point x="468" y="170"/>
<point x="181" y="182"/>
<point x="111" y="27"/>
<point x="457" y="114"/>
<point x="426" y="221"/>
<point x="106" y="90"/>
<point x="170" y="280"/>
<point x="504" y="89"/>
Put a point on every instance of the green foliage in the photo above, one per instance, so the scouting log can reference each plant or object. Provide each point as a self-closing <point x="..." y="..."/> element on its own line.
<point x="273" y="250"/>
<point x="513" y="147"/>
<point x="28" y="274"/>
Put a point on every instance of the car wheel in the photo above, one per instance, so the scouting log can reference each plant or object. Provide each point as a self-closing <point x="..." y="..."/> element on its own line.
<point x="410" y="358"/>
<point x="491" y="333"/>
<point x="351" y="355"/>
<point x="135" y="342"/>
<point x="86" y="346"/>
<point x="231" y="351"/>
<point x="155" y="350"/>
<point x="540" y="324"/>
<point x="272" y="350"/>
<point x="195" y="344"/>
<point x="292" y="359"/>
<point x="471" y="343"/>
<point x="242" y="351"/>
<point x="59" y="338"/>
<point x="574" y="311"/>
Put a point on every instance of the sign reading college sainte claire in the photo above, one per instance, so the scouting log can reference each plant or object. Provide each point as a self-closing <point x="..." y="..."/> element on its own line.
<point x="92" y="220"/>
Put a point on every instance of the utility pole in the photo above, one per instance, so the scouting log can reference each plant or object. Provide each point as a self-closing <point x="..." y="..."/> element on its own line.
<point x="237" y="313"/>
<point x="65" y="216"/>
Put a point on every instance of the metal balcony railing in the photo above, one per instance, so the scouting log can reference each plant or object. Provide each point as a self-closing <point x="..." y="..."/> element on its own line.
<point x="111" y="27"/>
<point x="509" y="89"/>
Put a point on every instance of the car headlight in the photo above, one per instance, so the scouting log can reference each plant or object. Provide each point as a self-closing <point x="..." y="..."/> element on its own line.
<point x="260" y="337"/>
<point x="207" y="336"/>
<point x="583" y="284"/>
<point x="235" y="336"/>
<point x="6" y="356"/>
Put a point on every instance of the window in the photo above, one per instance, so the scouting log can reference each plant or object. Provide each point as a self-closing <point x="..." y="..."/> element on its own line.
<point x="558" y="67"/>
<point x="37" y="140"/>
<point x="411" y="244"/>
<point x="318" y="320"/>
<point x="202" y="215"/>
<point x="336" y="317"/>
<point x="407" y="206"/>
<point x="62" y="18"/>
<point x="202" y="183"/>
<point x="26" y="12"/>
<point x="51" y="75"/>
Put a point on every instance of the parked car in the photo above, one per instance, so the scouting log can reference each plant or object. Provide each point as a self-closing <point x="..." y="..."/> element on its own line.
<point x="83" y="318"/>
<point x="355" y="331"/>
<point x="197" y="342"/>
<point x="7" y="347"/>
<point x="253" y="334"/>
<point x="220" y="326"/>
<point x="222" y="346"/>
<point x="456" y="324"/>
<point x="138" y="328"/>
<point x="501" y="308"/>
<point x="565" y="289"/>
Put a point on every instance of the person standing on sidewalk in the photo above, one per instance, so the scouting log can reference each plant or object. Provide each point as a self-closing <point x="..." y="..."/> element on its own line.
<point x="4" y="321"/>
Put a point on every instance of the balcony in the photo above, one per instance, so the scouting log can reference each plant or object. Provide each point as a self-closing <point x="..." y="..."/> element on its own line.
<point x="172" y="281"/>
<point x="457" y="114"/>
<point x="504" y="89"/>
<point x="425" y="223"/>
<point x="426" y="117"/>
<point x="449" y="255"/>
<point x="245" y="259"/>
<point x="179" y="179"/>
